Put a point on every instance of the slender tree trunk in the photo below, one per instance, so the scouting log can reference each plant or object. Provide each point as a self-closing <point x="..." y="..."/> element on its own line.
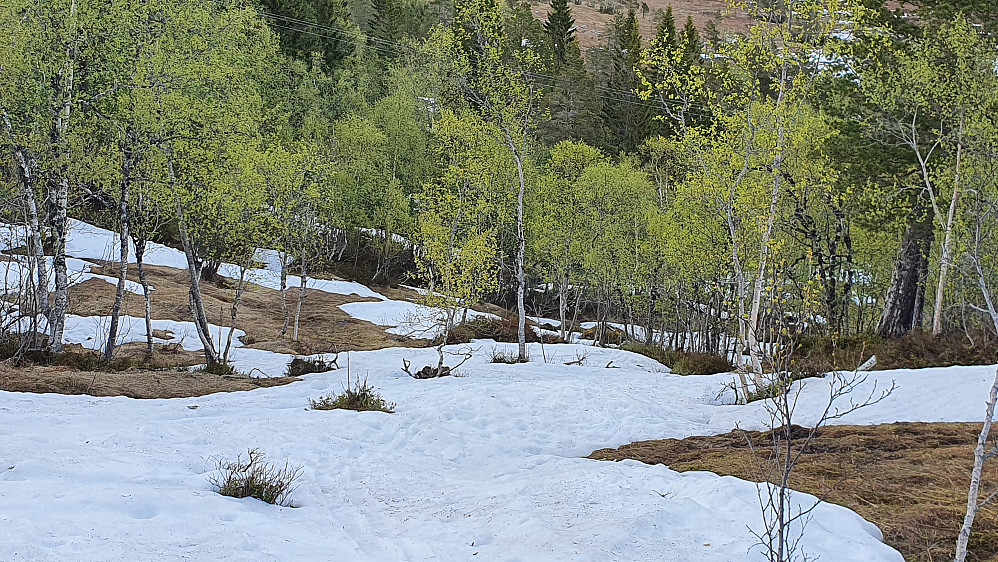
<point x="35" y="245"/>
<point x="285" y="312"/>
<point x="521" y="248"/>
<point x="946" y="259"/>
<point x="201" y="323"/>
<point x="60" y="198"/>
<point x="119" y="295"/>
<point x="754" y="349"/>
<point x="302" y="293"/>
<point x="60" y="227"/>
<point x="980" y="455"/>
<point x="563" y="307"/>
<point x="240" y="289"/>
<point x="140" y="250"/>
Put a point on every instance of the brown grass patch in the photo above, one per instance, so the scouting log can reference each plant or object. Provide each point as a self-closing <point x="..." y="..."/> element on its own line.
<point x="323" y="325"/>
<point x="916" y="350"/>
<point x="910" y="479"/>
<point x="133" y="384"/>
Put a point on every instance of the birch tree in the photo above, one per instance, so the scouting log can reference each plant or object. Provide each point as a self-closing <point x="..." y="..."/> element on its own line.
<point x="498" y="85"/>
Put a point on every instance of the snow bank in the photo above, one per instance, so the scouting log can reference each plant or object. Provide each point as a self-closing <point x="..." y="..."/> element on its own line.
<point x="89" y="242"/>
<point x="404" y="318"/>
<point x="486" y="465"/>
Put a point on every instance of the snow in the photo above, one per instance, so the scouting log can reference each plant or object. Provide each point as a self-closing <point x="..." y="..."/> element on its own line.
<point x="77" y="270"/>
<point x="487" y="465"/>
<point x="403" y="317"/>
<point x="91" y="332"/>
<point x="89" y="242"/>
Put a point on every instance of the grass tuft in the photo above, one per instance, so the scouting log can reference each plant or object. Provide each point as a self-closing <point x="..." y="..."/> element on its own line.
<point x="254" y="477"/>
<point x="219" y="369"/>
<point x="507" y="356"/>
<point x="682" y="362"/>
<point x="360" y="397"/>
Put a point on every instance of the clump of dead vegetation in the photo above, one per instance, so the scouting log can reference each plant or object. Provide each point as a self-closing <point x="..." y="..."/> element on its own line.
<point x="255" y="477"/>
<point x="301" y="366"/>
<point x="361" y="396"/>
<point x="682" y="362"/>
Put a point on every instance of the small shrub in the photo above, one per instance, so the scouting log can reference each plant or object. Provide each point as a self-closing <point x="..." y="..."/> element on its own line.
<point x="610" y="335"/>
<point x="360" y="397"/>
<point x="301" y="366"/>
<point x="774" y="387"/>
<point x="504" y="330"/>
<point x="10" y="347"/>
<point x="701" y="364"/>
<point x="78" y="359"/>
<point x="664" y="356"/>
<point x="507" y="356"/>
<point x="254" y="477"/>
<point x="219" y="369"/>
<point x="682" y="362"/>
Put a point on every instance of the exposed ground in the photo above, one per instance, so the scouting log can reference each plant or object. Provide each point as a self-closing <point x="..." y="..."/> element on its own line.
<point x="324" y="327"/>
<point x="910" y="479"/>
<point x="591" y="25"/>
<point x="140" y="383"/>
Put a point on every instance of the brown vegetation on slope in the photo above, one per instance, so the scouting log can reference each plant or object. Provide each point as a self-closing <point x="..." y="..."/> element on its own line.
<point x="323" y="328"/>
<point x="910" y="479"/>
<point x="133" y="383"/>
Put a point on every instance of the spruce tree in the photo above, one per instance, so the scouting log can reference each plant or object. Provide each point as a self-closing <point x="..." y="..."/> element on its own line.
<point x="666" y="33"/>
<point x="387" y="21"/>
<point x="334" y="40"/>
<point x="692" y="49"/>
<point x="560" y="28"/>
<point x="622" y="109"/>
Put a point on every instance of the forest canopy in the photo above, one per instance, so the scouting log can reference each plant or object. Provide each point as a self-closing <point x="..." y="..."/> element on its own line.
<point x="830" y="173"/>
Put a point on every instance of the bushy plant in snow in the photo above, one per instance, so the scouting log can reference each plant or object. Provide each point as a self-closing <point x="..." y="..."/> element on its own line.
<point x="360" y="397"/>
<point x="254" y="477"/>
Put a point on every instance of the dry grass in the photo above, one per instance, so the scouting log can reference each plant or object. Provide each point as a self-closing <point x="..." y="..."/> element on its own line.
<point x="255" y="477"/>
<point x="323" y="325"/>
<point x="133" y="384"/>
<point x="361" y="397"/>
<point x="916" y="350"/>
<point x="910" y="479"/>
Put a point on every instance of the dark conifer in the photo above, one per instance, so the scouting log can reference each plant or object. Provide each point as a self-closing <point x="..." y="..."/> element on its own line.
<point x="560" y="28"/>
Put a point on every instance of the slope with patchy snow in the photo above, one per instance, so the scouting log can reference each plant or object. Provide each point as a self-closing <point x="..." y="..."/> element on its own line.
<point x="486" y="466"/>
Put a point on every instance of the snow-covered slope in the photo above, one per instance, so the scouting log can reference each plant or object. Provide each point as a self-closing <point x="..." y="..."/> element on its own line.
<point x="485" y="466"/>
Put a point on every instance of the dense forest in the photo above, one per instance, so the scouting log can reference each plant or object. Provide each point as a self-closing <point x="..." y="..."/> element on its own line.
<point x="833" y="172"/>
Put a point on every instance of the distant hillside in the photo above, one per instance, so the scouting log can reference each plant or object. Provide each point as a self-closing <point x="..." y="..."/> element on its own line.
<point x="591" y="24"/>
